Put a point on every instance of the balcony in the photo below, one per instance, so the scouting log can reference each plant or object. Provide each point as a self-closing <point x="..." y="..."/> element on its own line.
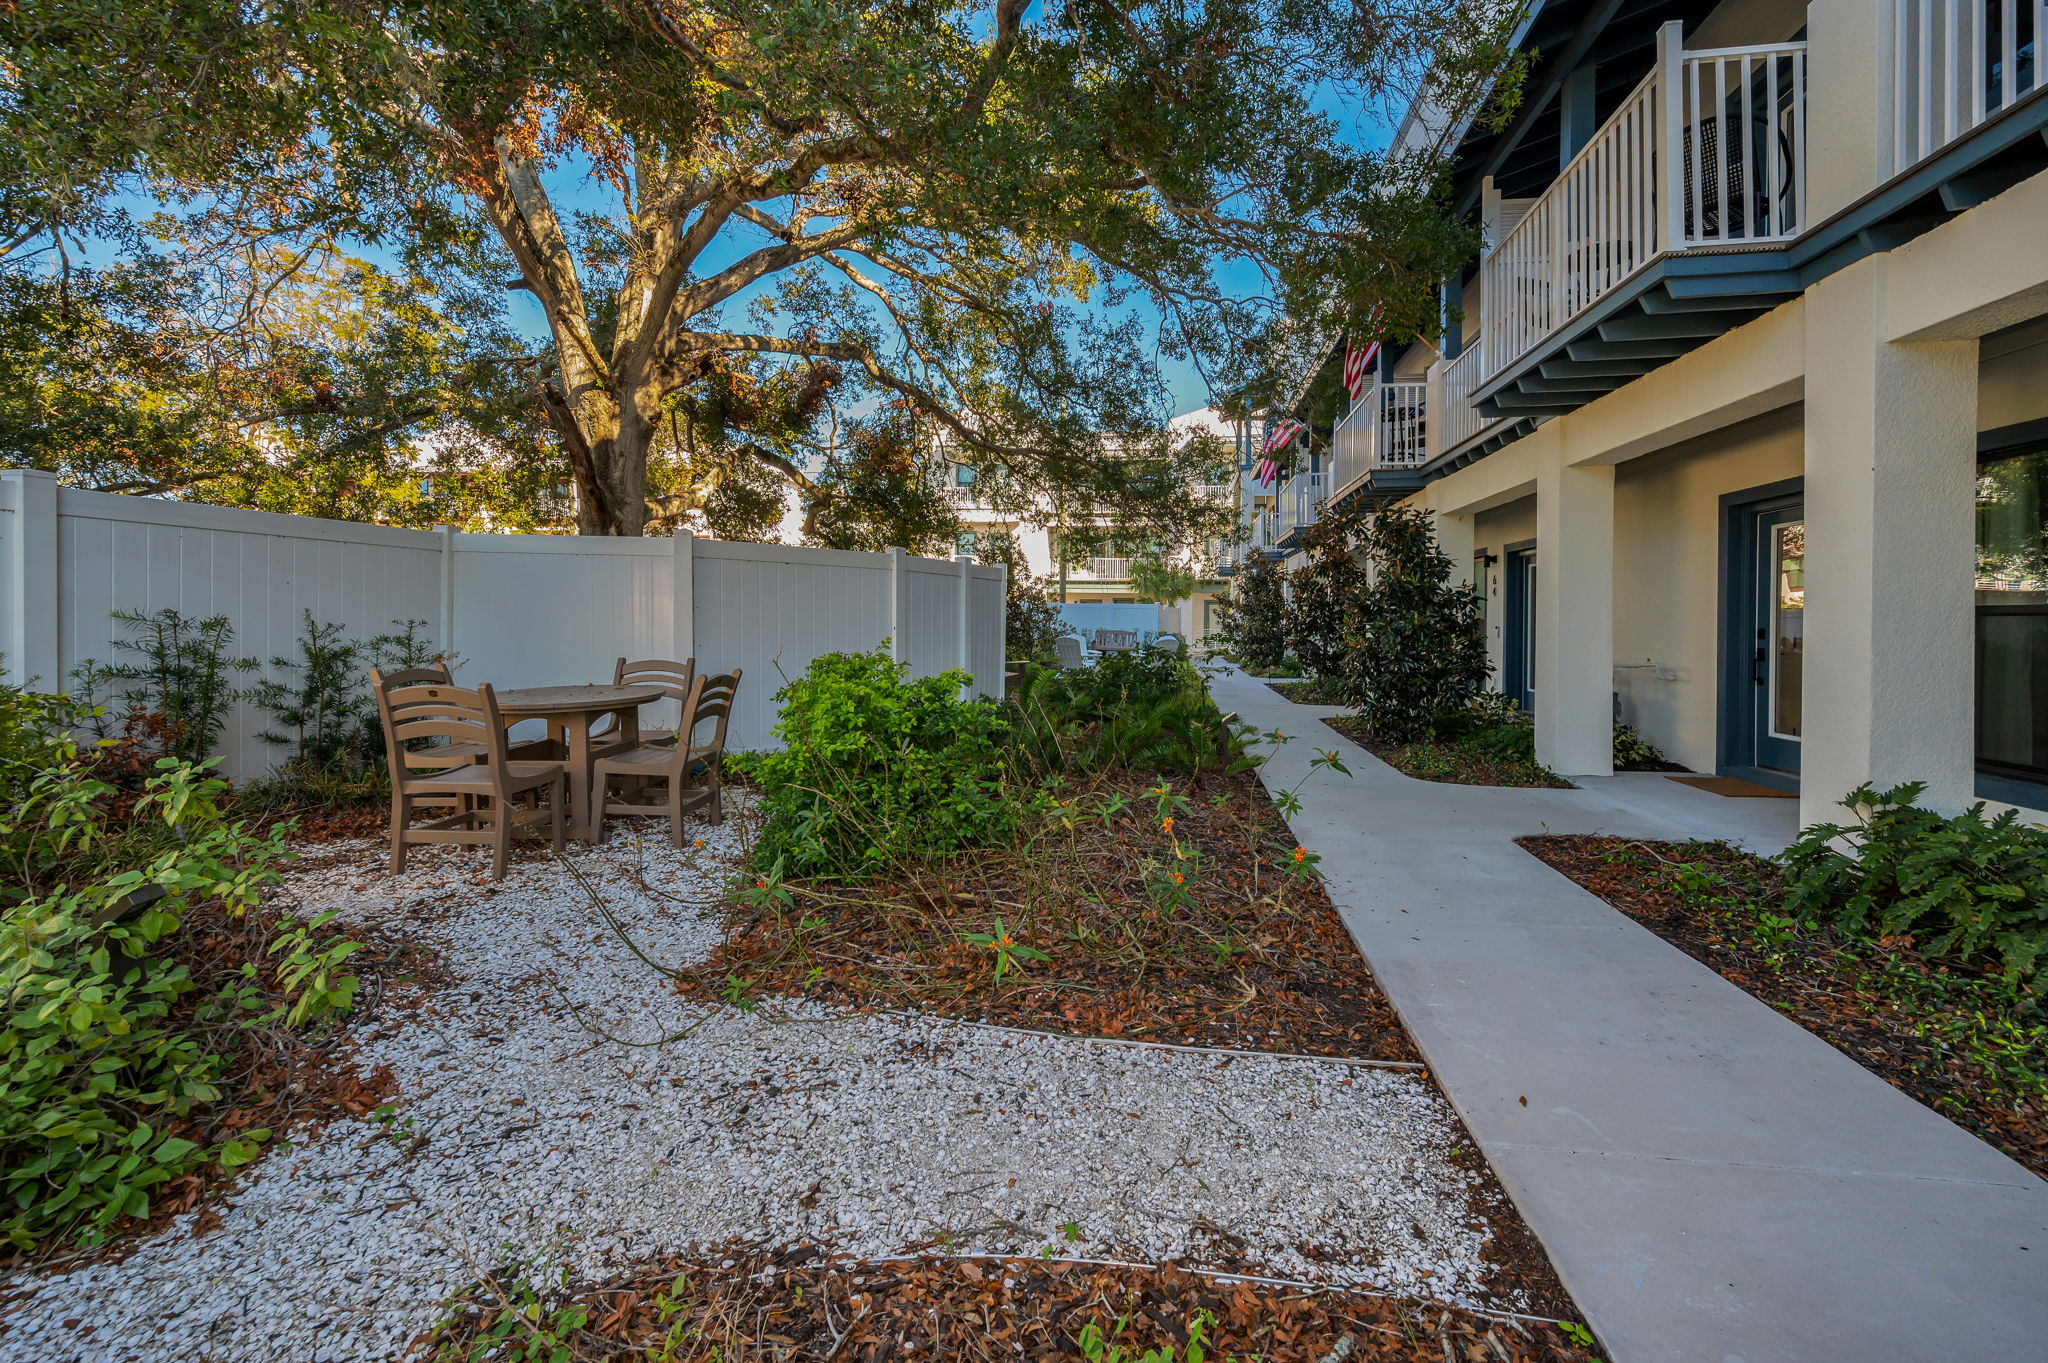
<point x="1461" y="421"/>
<point x="1386" y="430"/>
<point x="1100" y="569"/>
<point x="1707" y="154"/>
<point x="1960" y="64"/>
<point x="1301" y="502"/>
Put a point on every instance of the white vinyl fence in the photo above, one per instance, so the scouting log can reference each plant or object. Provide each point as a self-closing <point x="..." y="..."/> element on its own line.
<point x="515" y="610"/>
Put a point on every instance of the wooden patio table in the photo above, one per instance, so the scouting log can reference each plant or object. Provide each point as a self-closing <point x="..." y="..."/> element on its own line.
<point x="570" y="712"/>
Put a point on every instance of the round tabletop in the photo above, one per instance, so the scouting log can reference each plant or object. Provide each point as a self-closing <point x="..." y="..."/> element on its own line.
<point x="565" y="700"/>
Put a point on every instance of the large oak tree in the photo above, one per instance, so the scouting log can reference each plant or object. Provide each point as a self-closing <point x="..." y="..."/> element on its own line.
<point x="905" y="207"/>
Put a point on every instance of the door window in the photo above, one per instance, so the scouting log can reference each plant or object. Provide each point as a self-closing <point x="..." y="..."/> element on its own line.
<point x="2012" y="616"/>
<point x="1788" y="625"/>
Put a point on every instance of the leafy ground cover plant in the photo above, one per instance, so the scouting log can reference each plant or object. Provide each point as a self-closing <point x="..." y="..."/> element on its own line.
<point x="1501" y="752"/>
<point x="144" y="992"/>
<point x="727" y="1302"/>
<point x="1312" y="692"/>
<point x="1146" y="710"/>
<point x="1954" y="1031"/>
<point x="1963" y="886"/>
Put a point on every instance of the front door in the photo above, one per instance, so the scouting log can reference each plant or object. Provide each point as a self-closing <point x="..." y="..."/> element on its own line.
<point x="1519" y="646"/>
<point x="1766" y="644"/>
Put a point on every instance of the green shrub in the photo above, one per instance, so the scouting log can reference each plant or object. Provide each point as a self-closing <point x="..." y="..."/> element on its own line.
<point x="1417" y="650"/>
<point x="1145" y="710"/>
<point x="1254" y="615"/>
<point x="180" y="679"/>
<point x="1962" y="886"/>
<point x="1633" y="752"/>
<point x="879" y="769"/>
<point x="1320" y="598"/>
<point x="109" y="1046"/>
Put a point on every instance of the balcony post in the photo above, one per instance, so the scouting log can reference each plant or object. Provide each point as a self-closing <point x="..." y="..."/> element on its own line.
<point x="1671" y="137"/>
<point x="1853" y="71"/>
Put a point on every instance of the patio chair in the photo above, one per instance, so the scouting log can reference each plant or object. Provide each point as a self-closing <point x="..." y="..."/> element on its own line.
<point x="441" y="756"/>
<point x="1068" y="649"/>
<point x="690" y="769"/>
<point x="483" y="791"/>
<point x="674" y="679"/>
<point x="1167" y="643"/>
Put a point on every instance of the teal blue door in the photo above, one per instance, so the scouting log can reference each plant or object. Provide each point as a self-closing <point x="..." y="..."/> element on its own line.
<point x="1518" y="674"/>
<point x="1763" y="699"/>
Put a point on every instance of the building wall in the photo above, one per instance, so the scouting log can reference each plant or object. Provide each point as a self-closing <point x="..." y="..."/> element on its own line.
<point x="1667" y="575"/>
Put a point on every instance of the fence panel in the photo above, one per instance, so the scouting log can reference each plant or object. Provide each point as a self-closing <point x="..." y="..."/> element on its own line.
<point x="517" y="610"/>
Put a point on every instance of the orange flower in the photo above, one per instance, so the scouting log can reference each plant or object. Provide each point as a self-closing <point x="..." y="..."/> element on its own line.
<point x="760" y="884"/>
<point x="1167" y="824"/>
<point x="1006" y="939"/>
<point x="1178" y="879"/>
<point x="1301" y="854"/>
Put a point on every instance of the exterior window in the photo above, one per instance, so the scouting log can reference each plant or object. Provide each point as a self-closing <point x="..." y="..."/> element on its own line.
<point x="963" y="475"/>
<point x="2012" y="616"/>
<point x="964" y="543"/>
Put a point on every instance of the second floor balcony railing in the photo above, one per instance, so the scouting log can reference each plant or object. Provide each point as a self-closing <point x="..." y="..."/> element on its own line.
<point x="1708" y="152"/>
<point x="1959" y="62"/>
<point x="1301" y="501"/>
<point x="1460" y="420"/>
<point x="1387" y="428"/>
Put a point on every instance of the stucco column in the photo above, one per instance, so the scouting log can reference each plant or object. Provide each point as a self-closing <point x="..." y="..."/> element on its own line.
<point x="1455" y="535"/>
<point x="1891" y="470"/>
<point x="1575" y="619"/>
<point x="1849" y="65"/>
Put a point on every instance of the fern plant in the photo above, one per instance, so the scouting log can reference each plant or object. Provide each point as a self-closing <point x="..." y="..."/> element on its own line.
<point x="1962" y="886"/>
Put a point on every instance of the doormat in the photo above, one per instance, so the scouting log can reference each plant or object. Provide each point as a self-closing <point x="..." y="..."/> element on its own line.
<point x="1734" y="787"/>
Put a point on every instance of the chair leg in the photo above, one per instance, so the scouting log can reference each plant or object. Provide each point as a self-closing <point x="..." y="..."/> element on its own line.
<point x="716" y="814"/>
<point x="501" y="837"/>
<point x="675" y="809"/>
<point x="398" y="822"/>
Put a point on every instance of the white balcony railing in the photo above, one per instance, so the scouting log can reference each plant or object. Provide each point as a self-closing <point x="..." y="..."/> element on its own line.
<point x="1265" y="532"/>
<point x="1708" y="152"/>
<point x="1100" y="569"/>
<point x="1959" y="63"/>
<point x="1301" y="501"/>
<point x="1460" y="420"/>
<point x="1387" y="428"/>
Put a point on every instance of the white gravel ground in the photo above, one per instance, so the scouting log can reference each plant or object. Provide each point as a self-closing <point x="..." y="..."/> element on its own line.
<point x="524" y="1136"/>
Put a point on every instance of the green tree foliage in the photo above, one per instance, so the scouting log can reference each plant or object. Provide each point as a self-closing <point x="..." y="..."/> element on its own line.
<point x="1417" y="651"/>
<point x="1321" y="596"/>
<point x="1254" y="619"/>
<point x="919" y="202"/>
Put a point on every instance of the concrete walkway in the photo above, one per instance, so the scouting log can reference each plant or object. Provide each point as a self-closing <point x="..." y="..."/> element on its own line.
<point x="1713" y="1182"/>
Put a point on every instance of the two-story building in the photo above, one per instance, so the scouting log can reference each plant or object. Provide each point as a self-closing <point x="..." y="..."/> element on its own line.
<point x="1100" y="578"/>
<point x="1740" y="420"/>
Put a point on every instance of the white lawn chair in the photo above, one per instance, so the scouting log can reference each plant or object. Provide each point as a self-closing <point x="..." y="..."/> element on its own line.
<point x="1069" y="651"/>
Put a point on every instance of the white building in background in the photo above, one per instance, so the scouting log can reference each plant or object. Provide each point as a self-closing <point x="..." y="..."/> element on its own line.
<point x="1742" y="423"/>
<point x="1104" y="580"/>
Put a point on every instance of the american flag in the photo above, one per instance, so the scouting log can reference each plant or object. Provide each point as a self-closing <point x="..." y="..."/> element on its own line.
<point x="1279" y="436"/>
<point x="1358" y="366"/>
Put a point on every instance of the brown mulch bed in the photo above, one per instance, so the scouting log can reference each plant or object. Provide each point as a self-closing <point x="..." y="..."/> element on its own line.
<point x="1447" y="763"/>
<point x="1311" y="692"/>
<point x="1904" y="1018"/>
<point x="1247" y="953"/>
<point x="798" y="1306"/>
<point x="1242" y="952"/>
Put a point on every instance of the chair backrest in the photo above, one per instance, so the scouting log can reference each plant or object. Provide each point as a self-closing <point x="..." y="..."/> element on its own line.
<point x="439" y="710"/>
<point x="383" y="683"/>
<point x="673" y="678"/>
<point x="711" y="702"/>
<point x="1068" y="649"/>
